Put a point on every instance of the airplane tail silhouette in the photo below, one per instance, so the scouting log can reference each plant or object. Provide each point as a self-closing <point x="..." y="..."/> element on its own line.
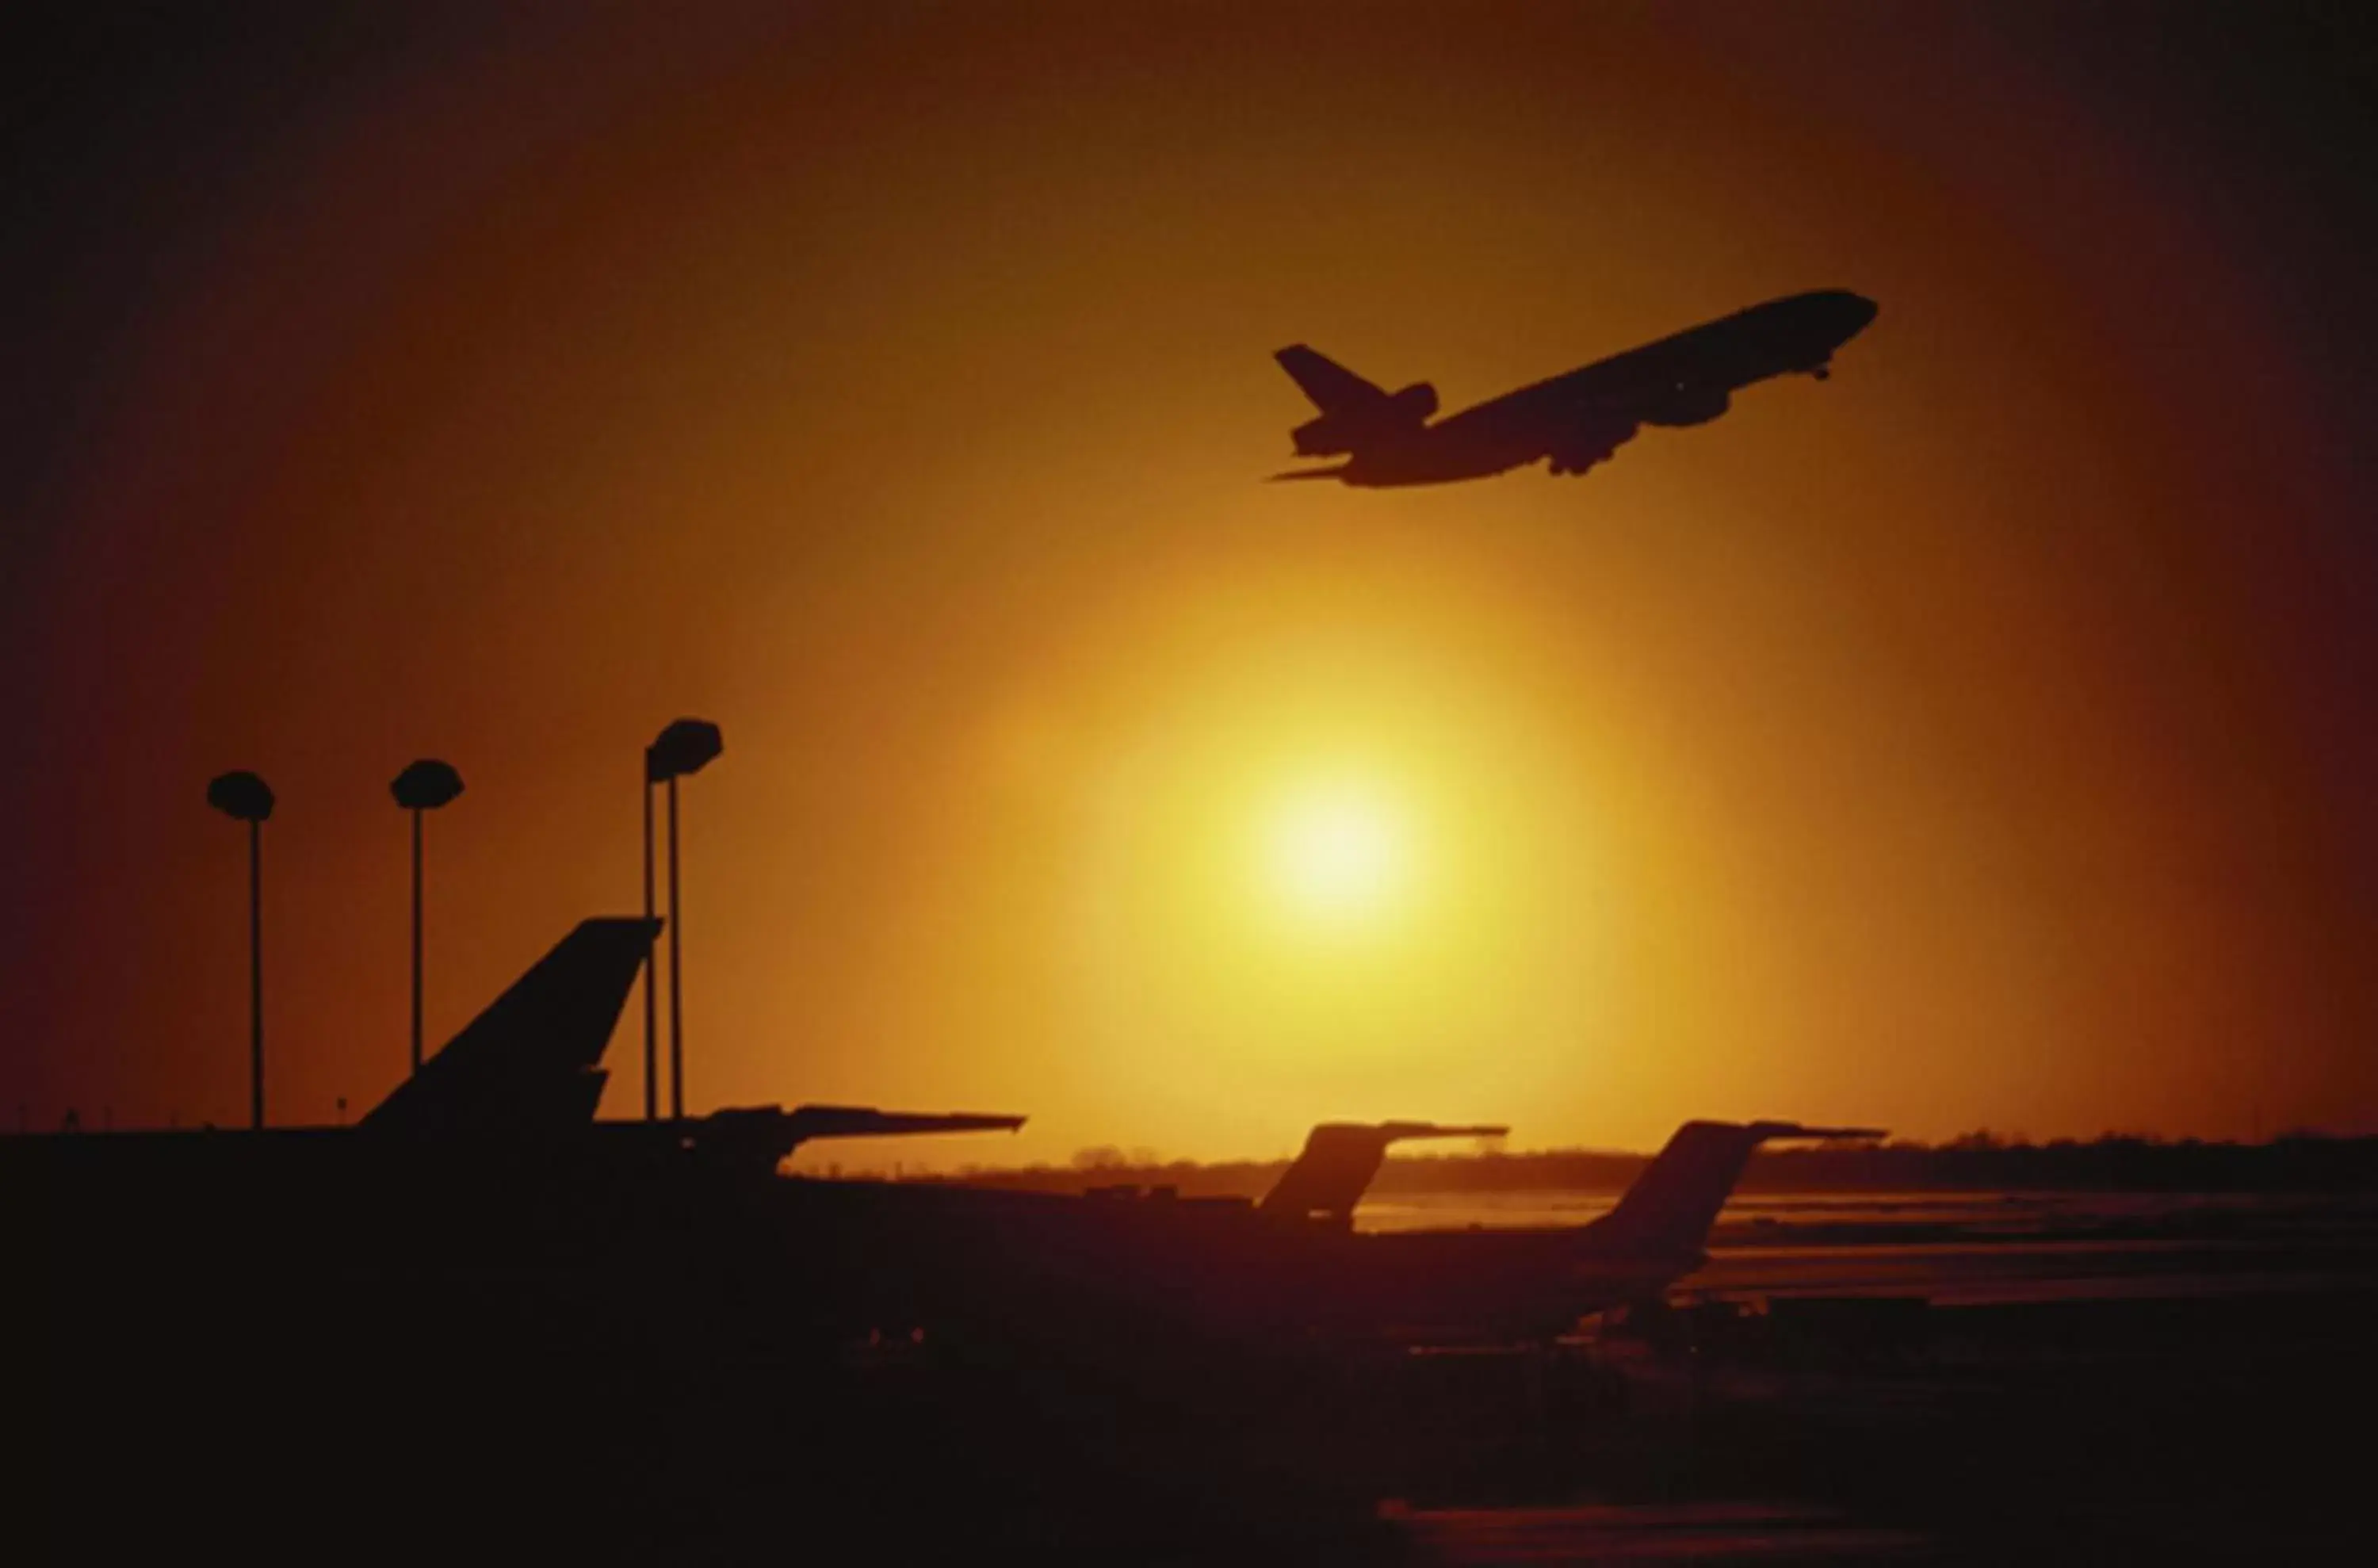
<point x="1670" y="1208"/>
<point x="530" y="1063"/>
<point x="1356" y="416"/>
<point x="1339" y="1159"/>
<point x="1333" y="388"/>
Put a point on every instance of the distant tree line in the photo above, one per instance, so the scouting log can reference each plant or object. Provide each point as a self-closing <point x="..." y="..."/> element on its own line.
<point x="1980" y="1160"/>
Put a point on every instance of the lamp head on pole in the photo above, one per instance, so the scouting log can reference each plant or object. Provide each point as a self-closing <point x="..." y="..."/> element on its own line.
<point x="426" y="785"/>
<point x="242" y="795"/>
<point x="687" y="746"/>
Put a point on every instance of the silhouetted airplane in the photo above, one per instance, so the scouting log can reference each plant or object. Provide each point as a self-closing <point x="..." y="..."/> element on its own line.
<point x="1117" y="1264"/>
<point x="1577" y="420"/>
<point x="1537" y="1282"/>
<point x="516" y="1088"/>
<point x="531" y="1065"/>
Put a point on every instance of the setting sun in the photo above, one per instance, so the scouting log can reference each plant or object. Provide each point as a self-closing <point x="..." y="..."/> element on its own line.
<point x="1338" y="852"/>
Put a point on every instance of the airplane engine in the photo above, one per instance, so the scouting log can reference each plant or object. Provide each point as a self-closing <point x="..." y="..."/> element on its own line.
<point x="1687" y="405"/>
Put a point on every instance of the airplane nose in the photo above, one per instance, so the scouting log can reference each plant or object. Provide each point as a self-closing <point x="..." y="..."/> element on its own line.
<point x="1862" y="312"/>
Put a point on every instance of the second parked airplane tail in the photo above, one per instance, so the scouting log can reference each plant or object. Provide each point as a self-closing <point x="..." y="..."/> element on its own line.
<point x="1339" y="1159"/>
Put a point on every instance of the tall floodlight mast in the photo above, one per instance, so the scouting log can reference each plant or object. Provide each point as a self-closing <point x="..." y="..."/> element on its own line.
<point x="424" y="786"/>
<point x="685" y="747"/>
<point x="652" y="964"/>
<point x="247" y="798"/>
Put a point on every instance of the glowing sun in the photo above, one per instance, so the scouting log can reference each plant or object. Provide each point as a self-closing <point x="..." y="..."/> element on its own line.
<point x="1337" y="853"/>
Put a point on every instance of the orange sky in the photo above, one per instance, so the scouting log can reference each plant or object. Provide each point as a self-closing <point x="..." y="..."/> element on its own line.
<point x="1981" y="738"/>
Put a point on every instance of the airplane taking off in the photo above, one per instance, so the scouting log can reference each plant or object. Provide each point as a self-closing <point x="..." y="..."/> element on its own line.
<point x="1578" y="419"/>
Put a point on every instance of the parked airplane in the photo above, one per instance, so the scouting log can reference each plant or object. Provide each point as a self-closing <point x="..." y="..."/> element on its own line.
<point x="1578" y="419"/>
<point x="531" y="1065"/>
<point x="1118" y="1264"/>
<point x="493" y="1134"/>
<point x="1536" y="1283"/>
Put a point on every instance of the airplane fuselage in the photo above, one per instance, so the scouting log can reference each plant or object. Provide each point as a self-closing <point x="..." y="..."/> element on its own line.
<point x="1220" y="1268"/>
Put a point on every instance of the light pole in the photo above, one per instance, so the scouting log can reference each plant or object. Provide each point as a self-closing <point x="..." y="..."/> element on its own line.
<point x="247" y="798"/>
<point x="652" y="969"/>
<point x="424" y="786"/>
<point x="686" y="746"/>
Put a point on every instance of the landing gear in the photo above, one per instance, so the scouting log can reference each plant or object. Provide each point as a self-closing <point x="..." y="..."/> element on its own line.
<point x="1822" y="372"/>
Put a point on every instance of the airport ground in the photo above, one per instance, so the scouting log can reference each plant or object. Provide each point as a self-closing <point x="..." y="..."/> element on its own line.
<point x="2192" y="1385"/>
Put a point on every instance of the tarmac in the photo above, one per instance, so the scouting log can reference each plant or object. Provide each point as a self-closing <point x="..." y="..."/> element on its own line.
<point x="1813" y="1396"/>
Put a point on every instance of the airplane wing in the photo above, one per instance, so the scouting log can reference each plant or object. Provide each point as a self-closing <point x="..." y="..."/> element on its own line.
<point x="865" y="1121"/>
<point x="1582" y="418"/>
<point x="756" y="1138"/>
<point x="1577" y="420"/>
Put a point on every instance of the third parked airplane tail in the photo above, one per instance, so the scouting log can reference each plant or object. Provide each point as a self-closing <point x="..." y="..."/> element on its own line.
<point x="1672" y="1205"/>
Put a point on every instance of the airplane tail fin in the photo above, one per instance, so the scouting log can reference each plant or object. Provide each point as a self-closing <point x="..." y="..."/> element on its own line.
<point x="1339" y="1159"/>
<point x="530" y="1063"/>
<point x="1670" y="1208"/>
<point x="1333" y="388"/>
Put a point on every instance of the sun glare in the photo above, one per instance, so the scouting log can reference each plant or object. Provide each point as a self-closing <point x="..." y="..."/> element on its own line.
<point x="1338" y="853"/>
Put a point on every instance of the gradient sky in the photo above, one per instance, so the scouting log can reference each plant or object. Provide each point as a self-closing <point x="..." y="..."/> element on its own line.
<point x="1982" y="738"/>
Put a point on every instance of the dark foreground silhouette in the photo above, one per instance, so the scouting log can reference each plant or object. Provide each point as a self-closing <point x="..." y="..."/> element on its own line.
<point x="1578" y="419"/>
<point x="480" y="1325"/>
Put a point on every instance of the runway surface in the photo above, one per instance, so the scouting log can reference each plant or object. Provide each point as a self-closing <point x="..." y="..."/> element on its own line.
<point x="1956" y="1378"/>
